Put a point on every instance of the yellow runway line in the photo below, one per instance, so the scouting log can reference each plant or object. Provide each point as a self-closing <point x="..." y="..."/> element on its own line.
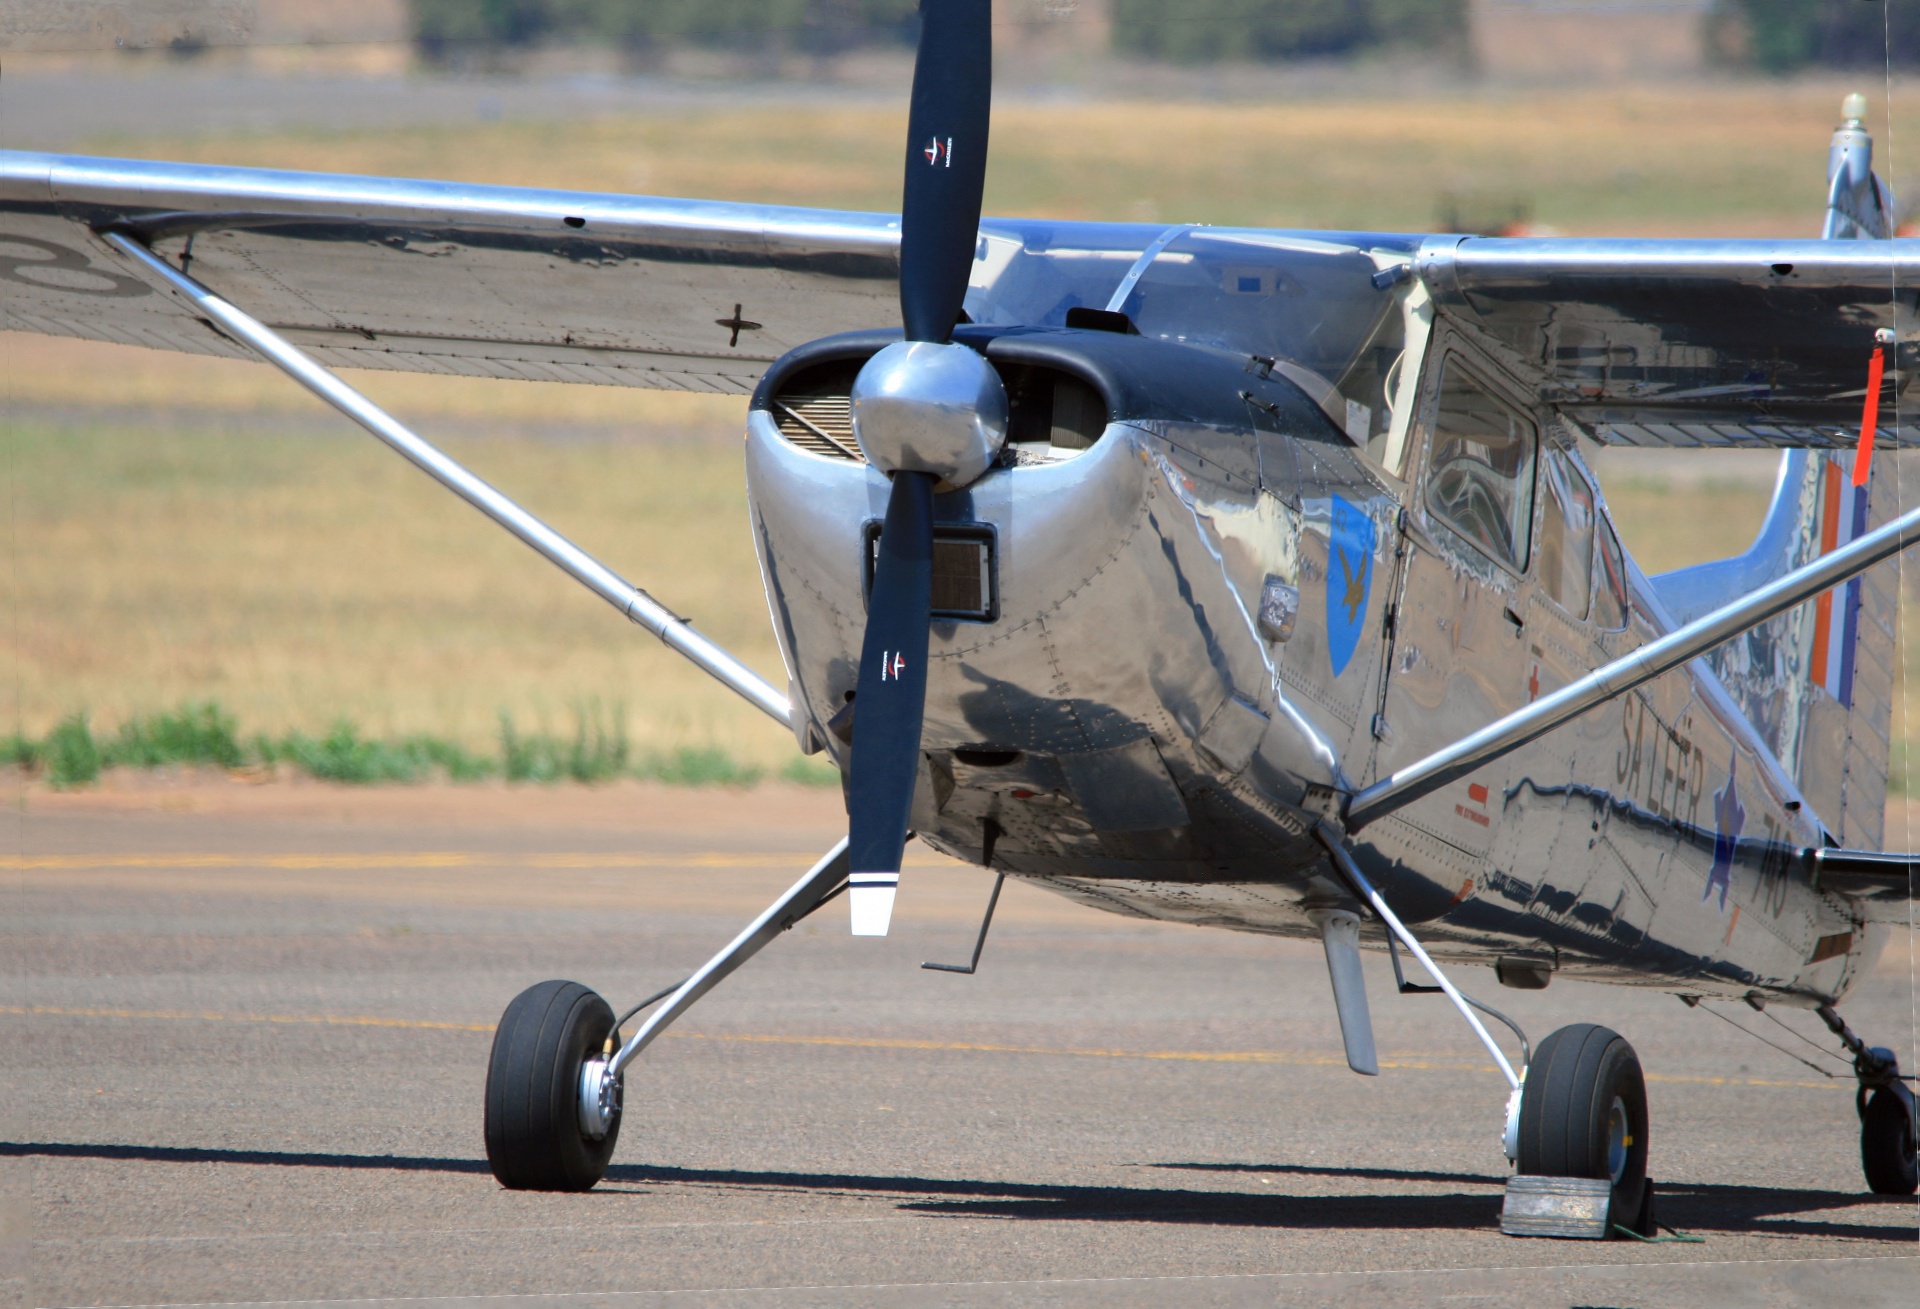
<point x="214" y="1016"/>
<point x="871" y="1043"/>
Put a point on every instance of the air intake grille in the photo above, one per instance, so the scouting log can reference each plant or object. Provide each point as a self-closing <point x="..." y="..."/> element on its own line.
<point x="820" y="423"/>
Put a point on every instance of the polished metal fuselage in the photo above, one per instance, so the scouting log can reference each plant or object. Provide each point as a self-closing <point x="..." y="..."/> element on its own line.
<point x="1133" y="736"/>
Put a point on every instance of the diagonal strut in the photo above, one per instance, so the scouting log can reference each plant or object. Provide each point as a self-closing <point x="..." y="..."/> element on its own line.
<point x="674" y="631"/>
<point x="1505" y="735"/>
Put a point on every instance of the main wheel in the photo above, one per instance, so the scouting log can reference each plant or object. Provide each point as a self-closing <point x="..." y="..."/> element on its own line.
<point x="1887" y="1144"/>
<point x="1584" y="1114"/>
<point x="534" y="1141"/>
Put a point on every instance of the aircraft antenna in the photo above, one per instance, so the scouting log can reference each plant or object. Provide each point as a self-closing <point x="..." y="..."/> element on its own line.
<point x="1764" y="1041"/>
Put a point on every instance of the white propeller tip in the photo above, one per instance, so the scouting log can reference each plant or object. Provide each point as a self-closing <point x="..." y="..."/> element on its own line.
<point x="871" y="898"/>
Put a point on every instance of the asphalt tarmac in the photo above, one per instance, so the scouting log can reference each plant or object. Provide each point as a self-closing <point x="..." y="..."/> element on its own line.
<point x="246" y="1030"/>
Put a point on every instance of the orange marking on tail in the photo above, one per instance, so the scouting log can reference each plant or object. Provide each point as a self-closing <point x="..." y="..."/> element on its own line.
<point x="1829" y="536"/>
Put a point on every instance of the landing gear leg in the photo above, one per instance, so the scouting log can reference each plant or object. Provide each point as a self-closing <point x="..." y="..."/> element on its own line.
<point x="553" y="1083"/>
<point x="1888" y="1125"/>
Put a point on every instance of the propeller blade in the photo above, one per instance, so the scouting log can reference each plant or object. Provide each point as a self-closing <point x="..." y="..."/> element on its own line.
<point x="946" y="163"/>
<point x="939" y="226"/>
<point x="889" y="703"/>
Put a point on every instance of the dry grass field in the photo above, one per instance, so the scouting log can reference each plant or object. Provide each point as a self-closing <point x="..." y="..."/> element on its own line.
<point x="185" y="529"/>
<point x="286" y="566"/>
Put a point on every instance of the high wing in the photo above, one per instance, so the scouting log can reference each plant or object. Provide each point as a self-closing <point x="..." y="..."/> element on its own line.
<point x="1690" y="343"/>
<point x="1650" y="342"/>
<point x="441" y="277"/>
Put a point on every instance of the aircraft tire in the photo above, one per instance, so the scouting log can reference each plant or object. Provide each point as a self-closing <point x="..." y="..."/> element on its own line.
<point x="1887" y="1144"/>
<point x="1584" y="1114"/>
<point x="534" y="1141"/>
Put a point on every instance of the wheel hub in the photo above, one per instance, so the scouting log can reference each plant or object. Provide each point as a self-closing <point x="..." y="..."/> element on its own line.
<point x="599" y="1099"/>
<point x="1619" y="1139"/>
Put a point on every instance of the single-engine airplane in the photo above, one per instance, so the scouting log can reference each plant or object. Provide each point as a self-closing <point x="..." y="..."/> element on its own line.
<point x="1245" y="578"/>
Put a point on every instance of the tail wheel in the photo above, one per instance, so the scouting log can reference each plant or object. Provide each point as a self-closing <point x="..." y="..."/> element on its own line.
<point x="1584" y="1114"/>
<point x="1887" y="1143"/>
<point x="534" y="1136"/>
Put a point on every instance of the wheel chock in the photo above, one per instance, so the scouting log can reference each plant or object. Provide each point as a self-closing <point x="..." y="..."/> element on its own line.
<point x="1574" y="1208"/>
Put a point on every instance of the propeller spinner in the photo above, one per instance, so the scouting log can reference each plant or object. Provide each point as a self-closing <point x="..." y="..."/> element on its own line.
<point x="925" y="410"/>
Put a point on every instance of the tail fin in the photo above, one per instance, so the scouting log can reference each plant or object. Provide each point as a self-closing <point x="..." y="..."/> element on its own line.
<point x="1840" y="759"/>
<point x="1859" y="205"/>
<point x="1818" y="680"/>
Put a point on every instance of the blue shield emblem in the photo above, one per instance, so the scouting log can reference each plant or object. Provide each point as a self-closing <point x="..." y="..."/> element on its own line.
<point x="1350" y="542"/>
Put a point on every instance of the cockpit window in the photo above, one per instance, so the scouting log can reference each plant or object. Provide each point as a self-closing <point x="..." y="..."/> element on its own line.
<point x="1480" y="475"/>
<point x="1566" y="534"/>
<point x="1610" y="600"/>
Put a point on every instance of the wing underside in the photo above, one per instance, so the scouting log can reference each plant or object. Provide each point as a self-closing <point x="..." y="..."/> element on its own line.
<point x="1692" y="343"/>
<point x="438" y="277"/>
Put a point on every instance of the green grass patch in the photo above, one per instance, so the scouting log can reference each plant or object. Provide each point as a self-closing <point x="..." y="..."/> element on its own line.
<point x="699" y="766"/>
<point x="205" y="735"/>
<point x="192" y="734"/>
<point x="596" y="752"/>
<point x="810" y="772"/>
<point x="70" y="754"/>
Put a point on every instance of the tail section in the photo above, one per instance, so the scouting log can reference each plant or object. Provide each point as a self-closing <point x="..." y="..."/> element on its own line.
<point x="1817" y="681"/>
<point x="1836" y="615"/>
<point x="1859" y="205"/>
<point x="1844" y="742"/>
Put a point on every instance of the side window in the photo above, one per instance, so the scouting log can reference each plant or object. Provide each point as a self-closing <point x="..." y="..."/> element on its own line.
<point x="1566" y="534"/>
<point x="1610" y="601"/>
<point x="1480" y="476"/>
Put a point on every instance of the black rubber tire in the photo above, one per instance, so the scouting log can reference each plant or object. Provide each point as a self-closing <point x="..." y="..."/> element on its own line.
<point x="1576" y="1075"/>
<point x="1887" y="1145"/>
<point x="534" y="1142"/>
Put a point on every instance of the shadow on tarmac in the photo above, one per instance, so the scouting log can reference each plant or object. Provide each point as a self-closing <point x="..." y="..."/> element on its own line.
<point x="1702" y="1207"/>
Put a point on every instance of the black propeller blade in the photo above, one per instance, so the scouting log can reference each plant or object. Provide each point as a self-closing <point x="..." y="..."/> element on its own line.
<point x="939" y="224"/>
<point x="890" y="703"/>
<point x="946" y="163"/>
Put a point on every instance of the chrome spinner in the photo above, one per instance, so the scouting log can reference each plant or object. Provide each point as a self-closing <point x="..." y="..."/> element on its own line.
<point x="922" y="407"/>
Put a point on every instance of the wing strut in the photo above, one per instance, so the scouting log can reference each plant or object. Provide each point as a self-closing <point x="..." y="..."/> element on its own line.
<point x="675" y="632"/>
<point x="1503" y="736"/>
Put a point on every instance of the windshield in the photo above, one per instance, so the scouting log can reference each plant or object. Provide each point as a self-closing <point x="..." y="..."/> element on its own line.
<point x="1307" y="301"/>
